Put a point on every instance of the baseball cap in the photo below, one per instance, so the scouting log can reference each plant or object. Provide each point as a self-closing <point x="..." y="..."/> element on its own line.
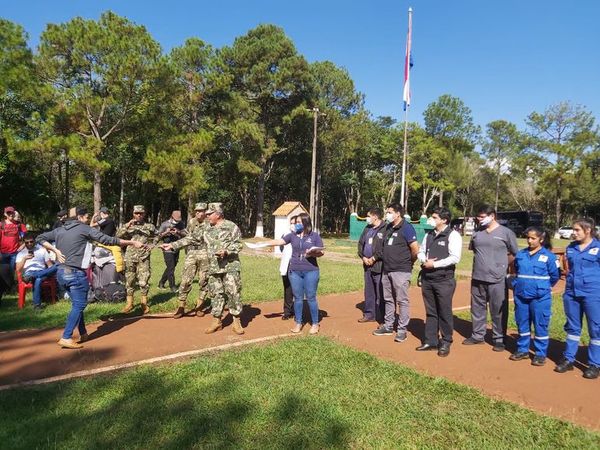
<point x="9" y="209"/>
<point x="104" y="210"/>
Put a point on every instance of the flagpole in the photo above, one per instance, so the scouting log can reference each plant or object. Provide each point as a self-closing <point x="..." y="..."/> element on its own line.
<point x="406" y="97"/>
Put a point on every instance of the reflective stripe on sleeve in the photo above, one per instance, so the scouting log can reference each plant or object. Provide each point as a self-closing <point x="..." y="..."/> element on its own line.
<point x="542" y="338"/>
<point x="534" y="277"/>
<point x="594" y="341"/>
<point x="572" y="337"/>
<point x="524" y="334"/>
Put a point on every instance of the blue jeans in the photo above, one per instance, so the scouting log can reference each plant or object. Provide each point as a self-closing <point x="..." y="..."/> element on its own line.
<point x="304" y="283"/>
<point x="75" y="282"/>
<point x="37" y="277"/>
<point x="10" y="258"/>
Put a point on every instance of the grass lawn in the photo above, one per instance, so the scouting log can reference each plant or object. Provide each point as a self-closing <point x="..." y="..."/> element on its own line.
<point x="557" y="322"/>
<point x="261" y="281"/>
<point x="315" y="394"/>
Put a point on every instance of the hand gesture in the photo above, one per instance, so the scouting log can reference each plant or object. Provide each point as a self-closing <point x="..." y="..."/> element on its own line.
<point x="59" y="256"/>
<point x="429" y="263"/>
<point x="130" y="223"/>
<point x="221" y="253"/>
<point x="138" y="244"/>
<point x="166" y="247"/>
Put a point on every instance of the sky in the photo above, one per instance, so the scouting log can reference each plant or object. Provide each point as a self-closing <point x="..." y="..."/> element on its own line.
<point x="504" y="59"/>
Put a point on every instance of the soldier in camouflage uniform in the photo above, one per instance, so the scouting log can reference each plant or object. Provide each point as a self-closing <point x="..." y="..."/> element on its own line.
<point x="137" y="260"/>
<point x="224" y="242"/>
<point x="196" y="261"/>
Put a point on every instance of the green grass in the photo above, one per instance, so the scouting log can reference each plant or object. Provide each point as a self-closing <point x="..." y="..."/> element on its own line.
<point x="557" y="322"/>
<point x="315" y="394"/>
<point x="261" y="281"/>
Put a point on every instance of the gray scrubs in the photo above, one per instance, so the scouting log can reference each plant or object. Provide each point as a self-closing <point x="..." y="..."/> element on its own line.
<point x="488" y="284"/>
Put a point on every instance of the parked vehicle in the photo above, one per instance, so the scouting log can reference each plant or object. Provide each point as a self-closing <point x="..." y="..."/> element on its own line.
<point x="565" y="232"/>
<point x="519" y="221"/>
<point x="464" y="227"/>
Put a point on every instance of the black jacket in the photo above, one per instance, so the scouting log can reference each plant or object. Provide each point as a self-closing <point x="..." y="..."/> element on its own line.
<point x="74" y="241"/>
<point x="377" y="245"/>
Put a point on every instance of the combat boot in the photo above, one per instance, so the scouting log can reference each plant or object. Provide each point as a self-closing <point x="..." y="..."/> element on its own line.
<point x="128" y="305"/>
<point x="180" y="311"/>
<point x="237" y="325"/>
<point x="145" y="308"/>
<point x="200" y="308"/>
<point x="215" y="326"/>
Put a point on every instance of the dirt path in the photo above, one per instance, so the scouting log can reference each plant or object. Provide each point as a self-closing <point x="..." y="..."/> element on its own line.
<point x="31" y="355"/>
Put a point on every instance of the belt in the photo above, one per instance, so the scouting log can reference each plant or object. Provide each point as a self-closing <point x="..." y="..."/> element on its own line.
<point x="534" y="277"/>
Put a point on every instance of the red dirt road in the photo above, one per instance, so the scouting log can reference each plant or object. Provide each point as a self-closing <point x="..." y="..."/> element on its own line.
<point x="31" y="355"/>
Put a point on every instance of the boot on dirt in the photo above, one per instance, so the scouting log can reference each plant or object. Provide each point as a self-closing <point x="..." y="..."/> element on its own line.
<point x="145" y="308"/>
<point x="215" y="326"/>
<point x="200" y="308"/>
<point x="128" y="305"/>
<point x="180" y="311"/>
<point x="237" y="325"/>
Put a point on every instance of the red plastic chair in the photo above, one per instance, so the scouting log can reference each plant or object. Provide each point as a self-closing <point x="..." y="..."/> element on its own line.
<point x="48" y="283"/>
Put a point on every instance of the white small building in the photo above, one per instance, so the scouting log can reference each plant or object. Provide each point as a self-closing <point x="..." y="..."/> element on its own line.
<point x="282" y="219"/>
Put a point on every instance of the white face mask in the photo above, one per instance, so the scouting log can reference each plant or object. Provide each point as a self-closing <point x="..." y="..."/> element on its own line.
<point x="389" y="217"/>
<point x="485" y="222"/>
<point x="369" y="221"/>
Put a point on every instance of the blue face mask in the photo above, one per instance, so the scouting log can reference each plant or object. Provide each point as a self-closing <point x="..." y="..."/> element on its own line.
<point x="299" y="228"/>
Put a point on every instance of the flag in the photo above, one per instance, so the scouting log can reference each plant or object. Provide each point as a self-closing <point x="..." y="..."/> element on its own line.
<point x="408" y="62"/>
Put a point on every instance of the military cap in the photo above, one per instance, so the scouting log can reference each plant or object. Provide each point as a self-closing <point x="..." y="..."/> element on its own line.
<point x="200" y="206"/>
<point x="215" y="208"/>
<point x="139" y="208"/>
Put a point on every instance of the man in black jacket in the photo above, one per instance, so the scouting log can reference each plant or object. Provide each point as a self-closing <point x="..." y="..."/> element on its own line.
<point x="370" y="240"/>
<point x="73" y="249"/>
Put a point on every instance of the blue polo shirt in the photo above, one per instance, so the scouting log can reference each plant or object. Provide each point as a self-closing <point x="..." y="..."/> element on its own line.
<point x="299" y="261"/>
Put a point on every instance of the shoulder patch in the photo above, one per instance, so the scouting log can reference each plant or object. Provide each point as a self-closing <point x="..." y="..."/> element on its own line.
<point x="543" y="258"/>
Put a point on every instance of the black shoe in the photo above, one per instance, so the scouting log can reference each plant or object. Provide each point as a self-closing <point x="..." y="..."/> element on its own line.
<point x="383" y="331"/>
<point x="472" y="341"/>
<point x="444" y="350"/>
<point x="285" y="317"/>
<point x="538" y="361"/>
<point x="426" y="347"/>
<point x="563" y="366"/>
<point x="518" y="356"/>
<point x="161" y="287"/>
<point x="591" y="372"/>
<point x="499" y="347"/>
<point x="400" y="336"/>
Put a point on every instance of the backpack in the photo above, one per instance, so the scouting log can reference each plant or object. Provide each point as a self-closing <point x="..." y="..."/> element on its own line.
<point x="112" y="293"/>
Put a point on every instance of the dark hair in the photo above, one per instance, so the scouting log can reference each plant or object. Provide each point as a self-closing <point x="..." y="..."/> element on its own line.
<point x="587" y="223"/>
<point x="81" y="211"/>
<point x="487" y="210"/>
<point x="542" y="234"/>
<point x="376" y="212"/>
<point x="294" y="218"/>
<point x="306" y="222"/>
<point x="29" y="235"/>
<point x="396" y="207"/>
<point x="444" y="213"/>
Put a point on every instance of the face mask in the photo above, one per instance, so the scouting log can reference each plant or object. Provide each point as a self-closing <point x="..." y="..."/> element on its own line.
<point x="389" y="217"/>
<point x="369" y="221"/>
<point x="485" y="222"/>
<point x="299" y="228"/>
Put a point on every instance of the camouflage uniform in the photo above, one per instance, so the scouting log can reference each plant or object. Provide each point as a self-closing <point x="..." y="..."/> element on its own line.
<point x="224" y="280"/>
<point x="137" y="260"/>
<point x="196" y="259"/>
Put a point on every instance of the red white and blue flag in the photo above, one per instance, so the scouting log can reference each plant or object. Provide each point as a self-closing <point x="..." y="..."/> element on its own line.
<point x="408" y="63"/>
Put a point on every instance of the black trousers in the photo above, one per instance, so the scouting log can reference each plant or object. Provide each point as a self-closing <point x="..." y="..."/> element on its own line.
<point x="171" y="260"/>
<point x="437" y="296"/>
<point x="288" y="297"/>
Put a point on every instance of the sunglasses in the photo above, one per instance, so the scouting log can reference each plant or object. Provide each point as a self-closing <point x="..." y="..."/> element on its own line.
<point x="137" y="213"/>
<point x="29" y="242"/>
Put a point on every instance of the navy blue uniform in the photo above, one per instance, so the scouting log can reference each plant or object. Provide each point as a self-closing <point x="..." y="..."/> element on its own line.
<point x="536" y="274"/>
<point x="582" y="295"/>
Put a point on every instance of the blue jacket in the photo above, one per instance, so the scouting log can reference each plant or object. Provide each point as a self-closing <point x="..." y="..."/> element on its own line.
<point x="583" y="279"/>
<point x="536" y="274"/>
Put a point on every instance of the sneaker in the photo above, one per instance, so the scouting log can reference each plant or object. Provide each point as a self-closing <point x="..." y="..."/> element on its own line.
<point x="499" y="347"/>
<point x="472" y="341"/>
<point x="538" y="360"/>
<point x="69" y="343"/>
<point x="297" y="328"/>
<point x="518" y="356"/>
<point x="314" y="329"/>
<point x="383" y="331"/>
<point x="591" y="372"/>
<point x="400" y="336"/>
<point x="564" y="366"/>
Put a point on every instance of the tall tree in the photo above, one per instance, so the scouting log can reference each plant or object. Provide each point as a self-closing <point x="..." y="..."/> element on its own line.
<point x="562" y="136"/>
<point x="501" y="145"/>
<point x="271" y="81"/>
<point x="102" y="73"/>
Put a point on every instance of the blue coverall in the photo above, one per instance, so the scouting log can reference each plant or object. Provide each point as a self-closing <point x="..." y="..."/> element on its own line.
<point x="582" y="295"/>
<point x="536" y="274"/>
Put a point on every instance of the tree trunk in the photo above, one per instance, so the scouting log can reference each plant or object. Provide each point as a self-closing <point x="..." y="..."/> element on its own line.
<point x="260" y="200"/>
<point x="67" y="199"/>
<point x="558" y="205"/>
<point x="441" y="199"/>
<point x="497" y="188"/>
<point x="97" y="190"/>
<point x="122" y="199"/>
<point x="191" y="205"/>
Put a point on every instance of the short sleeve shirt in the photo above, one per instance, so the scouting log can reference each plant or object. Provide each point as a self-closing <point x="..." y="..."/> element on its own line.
<point x="299" y="262"/>
<point x="39" y="260"/>
<point x="490" y="253"/>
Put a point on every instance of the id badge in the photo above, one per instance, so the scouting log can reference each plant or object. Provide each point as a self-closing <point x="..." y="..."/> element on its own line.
<point x="391" y="241"/>
<point x="370" y="241"/>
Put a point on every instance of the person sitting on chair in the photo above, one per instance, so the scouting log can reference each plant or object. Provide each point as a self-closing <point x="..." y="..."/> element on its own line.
<point x="35" y="266"/>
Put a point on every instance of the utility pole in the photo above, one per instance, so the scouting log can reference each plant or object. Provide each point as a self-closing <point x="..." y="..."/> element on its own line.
<point x="313" y="208"/>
